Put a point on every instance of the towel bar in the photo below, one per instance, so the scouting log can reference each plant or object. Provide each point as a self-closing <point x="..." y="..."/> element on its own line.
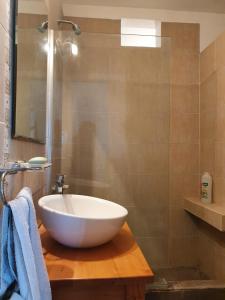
<point x="16" y="167"/>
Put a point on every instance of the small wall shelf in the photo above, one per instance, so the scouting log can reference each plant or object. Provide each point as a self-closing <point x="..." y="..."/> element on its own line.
<point x="213" y="214"/>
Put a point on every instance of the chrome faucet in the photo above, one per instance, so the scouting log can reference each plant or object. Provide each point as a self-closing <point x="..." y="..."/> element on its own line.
<point x="59" y="186"/>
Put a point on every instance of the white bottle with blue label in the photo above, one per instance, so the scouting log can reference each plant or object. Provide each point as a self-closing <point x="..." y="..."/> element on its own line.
<point x="206" y="188"/>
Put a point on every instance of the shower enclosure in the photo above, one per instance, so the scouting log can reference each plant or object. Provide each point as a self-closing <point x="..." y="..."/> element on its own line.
<point x="108" y="130"/>
<point x="111" y="128"/>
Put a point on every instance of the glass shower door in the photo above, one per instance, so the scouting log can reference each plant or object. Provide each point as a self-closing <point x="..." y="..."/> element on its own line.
<point x="115" y="120"/>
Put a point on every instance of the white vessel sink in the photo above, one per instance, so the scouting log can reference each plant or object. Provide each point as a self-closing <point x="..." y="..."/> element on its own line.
<point x="81" y="221"/>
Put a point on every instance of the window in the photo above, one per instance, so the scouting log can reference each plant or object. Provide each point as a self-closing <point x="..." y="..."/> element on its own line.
<point x="140" y="33"/>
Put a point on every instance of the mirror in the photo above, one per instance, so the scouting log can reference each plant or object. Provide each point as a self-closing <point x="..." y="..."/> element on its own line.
<point x="29" y="71"/>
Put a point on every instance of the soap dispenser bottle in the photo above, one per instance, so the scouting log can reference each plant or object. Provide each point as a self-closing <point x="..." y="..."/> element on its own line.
<point x="206" y="188"/>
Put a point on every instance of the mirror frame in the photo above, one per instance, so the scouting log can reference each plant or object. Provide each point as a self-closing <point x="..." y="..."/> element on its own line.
<point x="13" y="73"/>
<point x="13" y="63"/>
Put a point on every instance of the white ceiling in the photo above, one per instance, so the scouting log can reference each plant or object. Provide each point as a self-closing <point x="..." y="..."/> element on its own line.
<point x="216" y="6"/>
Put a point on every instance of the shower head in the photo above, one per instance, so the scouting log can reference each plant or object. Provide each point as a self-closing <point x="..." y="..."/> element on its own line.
<point x="43" y="27"/>
<point x="75" y="27"/>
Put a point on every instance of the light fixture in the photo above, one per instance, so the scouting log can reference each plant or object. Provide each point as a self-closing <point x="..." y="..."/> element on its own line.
<point x="74" y="49"/>
<point x="45" y="47"/>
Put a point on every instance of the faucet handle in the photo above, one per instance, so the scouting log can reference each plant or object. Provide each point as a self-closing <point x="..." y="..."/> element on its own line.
<point x="53" y="188"/>
<point x="60" y="178"/>
<point x="66" y="186"/>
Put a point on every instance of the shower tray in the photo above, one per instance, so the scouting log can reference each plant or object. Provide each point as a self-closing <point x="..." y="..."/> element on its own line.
<point x="184" y="284"/>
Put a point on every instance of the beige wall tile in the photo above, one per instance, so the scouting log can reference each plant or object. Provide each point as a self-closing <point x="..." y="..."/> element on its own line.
<point x="187" y="185"/>
<point x="185" y="68"/>
<point x="185" y="99"/>
<point x="97" y="25"/>
<point x="123" y="157"/>
<point x="184" y="36"/>
<point x="20" y="150"/>
<point x="155" y="250"/>
<point x="208" y="126"/>
<point x="153" y="98"/>
<point x="219" y="191"/>
<point x="97" y="187"/>
<point x="124" y="128"/>
<point x="87" y="127"/>
<point x="148" y="222"/>
<point x="182" y="252"/>
<point x="117" y="95"/>
<point x="220" y="84"/>
<point x="123" y="188"/>
<point x="207" y="157"/>
<point x="185" y="128"/>
<point x="208" y="94"/>
<point x="182" y="224"/>
<point x="207" y="62"/>
<point x="206" y="255"/>
<point x="118" y="65"/>
<point x="184" y="158"/>
<point x="154" y="128"/>
<point x="219" y="263"/>
<point x="157" y="58"/>
<point x="87" y="172"/>
<point x="220" y="122"/>
<point x="87" y="96"/>
<point x="219" y="160"/>
<point x="153" y="157"/>
<point x="88" y="158"/>
<point x="26" y="21"/>
<point x="220" y="48"/>
<point x="153" y="190"/>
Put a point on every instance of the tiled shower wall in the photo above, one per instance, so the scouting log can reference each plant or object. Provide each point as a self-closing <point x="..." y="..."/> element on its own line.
<point x="184" y="140"/>
<point x="165" y="232"/>
<point x="11" y="150"/>
<point x="211" y="244"/>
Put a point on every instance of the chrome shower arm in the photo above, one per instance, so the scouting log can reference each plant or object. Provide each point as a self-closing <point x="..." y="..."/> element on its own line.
<point x="75" y="27"/>
<point x="44" y="26"/>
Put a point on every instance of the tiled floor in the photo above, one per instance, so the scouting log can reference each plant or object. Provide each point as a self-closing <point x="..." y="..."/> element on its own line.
<point x="179" y="274"/>
<point x="215" y="294"/>
<point x="184" y="284"/>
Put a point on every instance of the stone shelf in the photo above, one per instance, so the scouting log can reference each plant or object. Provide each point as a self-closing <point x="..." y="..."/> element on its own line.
<point x="213" y="214"/>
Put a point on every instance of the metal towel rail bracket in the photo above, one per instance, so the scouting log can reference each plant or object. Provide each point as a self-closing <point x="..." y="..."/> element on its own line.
<point x="16" y="167"/>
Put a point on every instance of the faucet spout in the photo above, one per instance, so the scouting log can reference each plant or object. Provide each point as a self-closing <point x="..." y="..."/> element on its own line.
<point x="60" y="180"/>
<point x="59" y="186"/>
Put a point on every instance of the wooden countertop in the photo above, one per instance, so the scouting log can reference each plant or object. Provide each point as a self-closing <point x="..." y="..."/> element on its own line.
<point x="120" y="259"/>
